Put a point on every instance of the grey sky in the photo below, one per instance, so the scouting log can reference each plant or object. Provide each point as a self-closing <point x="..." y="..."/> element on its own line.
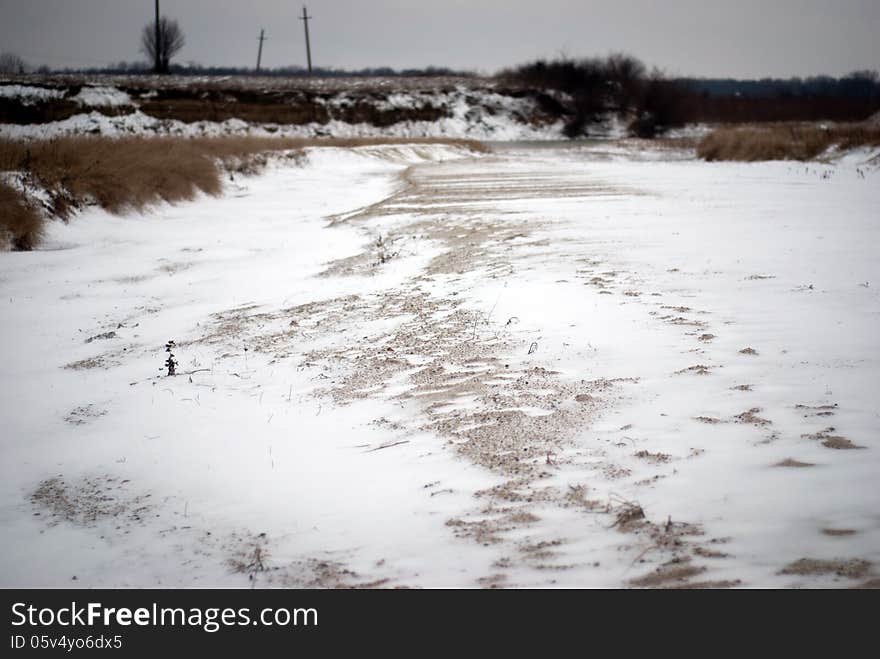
<point x="738" y="38"/>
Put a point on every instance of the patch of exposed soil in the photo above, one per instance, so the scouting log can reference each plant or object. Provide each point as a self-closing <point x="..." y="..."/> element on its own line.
<point x="853" y="568"/>
<point x="697" y="369"/>
<point x="817" y="410"/>
<point x="751" y="417"/>
<point x="667" y="575"/>
<point x="102" y="336"/>
<point x="492" y="581"/>
<point x="81" y="415"/>
<point x="832" y="441"/>
<point x="791" y="462"/>
<point x="87" y="364"/>
<point x="704" y="585"/>
<point x="90" y="500"/>
<point x="368" y="262"/>
<point x="653" y="458"/>
<point x="837" y="442"/>
<point x="685" y="322"/>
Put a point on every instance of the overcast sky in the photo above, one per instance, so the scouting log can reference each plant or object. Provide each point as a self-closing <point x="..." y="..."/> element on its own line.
<point x="737" y="38"/>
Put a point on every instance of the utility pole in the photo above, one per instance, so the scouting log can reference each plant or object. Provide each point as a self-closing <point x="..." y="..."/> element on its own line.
<point x="260" y="50"/>
<point x="305" y="19"/>
<point x="158" y="63"/>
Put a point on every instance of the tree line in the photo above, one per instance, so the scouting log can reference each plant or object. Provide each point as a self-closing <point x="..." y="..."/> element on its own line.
<point x="623" y="85"/>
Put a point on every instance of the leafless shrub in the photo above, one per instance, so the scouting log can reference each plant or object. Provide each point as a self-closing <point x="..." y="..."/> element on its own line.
<point x="618" y="83"/>
<point x="11" y="63"/>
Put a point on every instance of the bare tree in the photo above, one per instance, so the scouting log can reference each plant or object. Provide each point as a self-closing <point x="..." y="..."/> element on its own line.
<point x="11" y="63"/>
<point x="160" y="45"/>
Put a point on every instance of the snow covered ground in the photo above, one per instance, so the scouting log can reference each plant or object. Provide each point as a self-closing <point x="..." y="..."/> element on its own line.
<point x="461" y="125"/>
<point x="29" y="94"/>
<point x="557" y="366"/>
<point x="474" y="114"/>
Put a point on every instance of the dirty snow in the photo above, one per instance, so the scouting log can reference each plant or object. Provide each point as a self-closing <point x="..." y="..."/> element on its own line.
<point x="585" y="366"/>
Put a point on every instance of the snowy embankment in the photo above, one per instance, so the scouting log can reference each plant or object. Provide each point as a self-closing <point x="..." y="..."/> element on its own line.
<point x="472" y="114"/>
<point x="416" y="366"/>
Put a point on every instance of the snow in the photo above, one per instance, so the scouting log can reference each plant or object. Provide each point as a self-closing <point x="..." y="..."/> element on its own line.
<point x="477" y="115"/>
<point x="29" y="94"/>
<point x="95" y="96"/>
<point x="494" y="128"/>
<point x="771" y="256"/>
<point x="612" y="262"/>
<point x="88" y="95"/>
<point x="692" y="131"/>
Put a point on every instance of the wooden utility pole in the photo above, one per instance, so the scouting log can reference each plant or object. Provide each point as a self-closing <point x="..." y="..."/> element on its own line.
<point x="158" y="62"/>
<point x="260" y="49"/>
<point x="305" y="19"/>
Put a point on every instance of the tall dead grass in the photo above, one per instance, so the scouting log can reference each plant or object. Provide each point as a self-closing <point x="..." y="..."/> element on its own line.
<point x="132" y="173"/>
<point x="784" y="141"/>
<point x="20" y="225"/>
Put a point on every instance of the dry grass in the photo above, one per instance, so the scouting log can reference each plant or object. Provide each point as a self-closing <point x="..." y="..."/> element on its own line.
<point x="115" y="174"/>
<point x="784" y="141"/>
<point x="132" y="173"/>
<point x="20" y="224"/>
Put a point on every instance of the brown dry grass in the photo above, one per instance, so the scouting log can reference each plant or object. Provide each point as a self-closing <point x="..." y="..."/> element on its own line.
<point x="134" y="172"/>
<point x="20" y="225"/>
<point x="783" y="141"/>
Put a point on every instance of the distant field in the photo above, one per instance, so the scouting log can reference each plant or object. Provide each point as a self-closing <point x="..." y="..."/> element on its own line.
<point x="508" y="107"/>
<point x="261" y="83"/>
<point x="295" y="101"/>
